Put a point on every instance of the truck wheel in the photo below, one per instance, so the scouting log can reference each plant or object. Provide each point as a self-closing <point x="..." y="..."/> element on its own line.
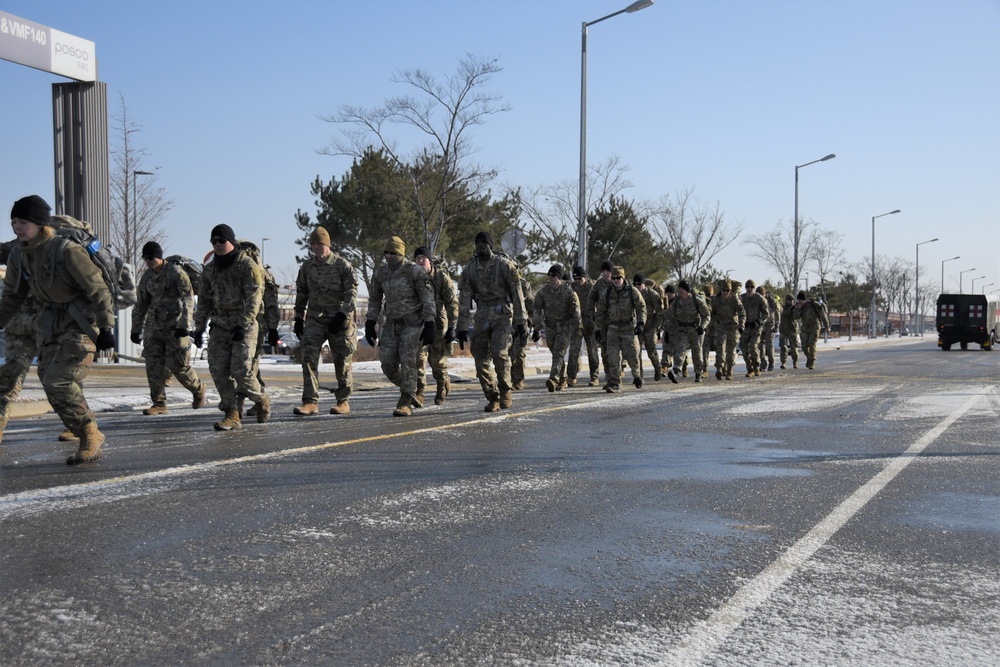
<point x="945" y="345"/>
<point x="965" y="346"/>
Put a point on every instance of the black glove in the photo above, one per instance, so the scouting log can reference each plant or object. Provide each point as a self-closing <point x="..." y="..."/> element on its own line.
<point x="638" y="330"/>
<point x="336" y="324"/>
<point x="535" y="335"/>
<point x="427" y="334"/>
<point x="299" y="327"/>
<point x="273" y="337"/>
<point x="700" y="330"/>
<point x="105" y="339"/>
<point x="449" y="335"/>
<point x="180" y="332"/>
<point x="238" y="334"/>
<point x="666" y="338"/>
<point x="198" y="339"/>
<point x="752" y="325"/>
<point x="522" y="333"/>
<point x="463" y="338"/>
<point x="597" y="335"/>
<point x="739" y="329"/>
<point x="136" y="337"/>
<point x="370" y="335"/>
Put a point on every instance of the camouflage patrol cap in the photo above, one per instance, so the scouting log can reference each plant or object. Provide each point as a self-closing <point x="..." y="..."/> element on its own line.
<point x="750" y="284"/>
<point x="618" y="272"/>
<point x="723" y="284"/>
<point x="708" y="289"/>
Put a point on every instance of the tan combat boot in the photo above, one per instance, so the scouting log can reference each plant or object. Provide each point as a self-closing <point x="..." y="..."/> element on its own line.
<point x="492" y="403"/>
<point x="263" y="409"/>
<point x="68" y="436"/>
<point x="506" y="399"/>
<point x="198" y="398"/>
<point x="230" y="421"/>
<point x="341" y="408"/>
<point x="306" y="409"/>
<point x="91" y="441"/>
<point x="155" y="410"/>
<point x="417" y="400"/>
<point x="443" y="390"/>
<point x="403" y="406"/>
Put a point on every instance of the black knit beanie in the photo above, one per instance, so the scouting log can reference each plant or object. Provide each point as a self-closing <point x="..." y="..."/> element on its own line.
<point x="485" y="237"/>
<point x="152" y="250"/>
<point x="31" y="208"/>
<point x="223" y="231"/>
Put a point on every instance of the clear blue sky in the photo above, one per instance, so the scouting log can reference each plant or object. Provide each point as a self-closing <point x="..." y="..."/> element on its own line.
<point x="725" y="96"/>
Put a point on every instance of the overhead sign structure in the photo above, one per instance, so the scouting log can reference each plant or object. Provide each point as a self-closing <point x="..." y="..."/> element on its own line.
<point x="50" y="50"/>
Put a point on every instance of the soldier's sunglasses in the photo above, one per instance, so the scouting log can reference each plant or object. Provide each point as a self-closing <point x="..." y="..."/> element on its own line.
<point x="218" y="240"/>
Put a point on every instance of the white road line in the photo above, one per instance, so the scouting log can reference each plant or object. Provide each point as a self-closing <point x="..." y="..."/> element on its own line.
<point x="708" y="635"/>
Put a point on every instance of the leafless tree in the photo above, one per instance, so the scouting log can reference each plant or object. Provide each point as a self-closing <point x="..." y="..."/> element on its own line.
<point x="550" y="212"/>
<point x="443" y="115"/>
<point x="896" y="286"/>
<point x="138" y="204"/>
<point x="776" y="248"/>
<point x="694" y="232"/>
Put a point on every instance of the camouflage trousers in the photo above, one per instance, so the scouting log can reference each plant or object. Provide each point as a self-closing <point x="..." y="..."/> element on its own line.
<point x="687" y="338"/>
<point x="436" y="354"/>
<point x="583" y="334"/>
<point x="648" y="341"/>
<point x="63" y="363"/>
<point x="557" y="337"/>
<point x="725" y="349"/>
<point x="789" y="347"/>
<point x="399" y="353"/>
<point x="750" y="345"/>
<point x="666" y="358"/>
<point x="517" y="352"/>
<point x="810" y="337"/>
<point x="21" y="350"/>
<point x="490" y="341"/>
<point x="342" y="347"/>
<point x="231" y="364"/>
<point x="166" y="355"/>
<point x="766" y="346"/>
<point x="623" y="347"/>
<point x="707" y="345"/>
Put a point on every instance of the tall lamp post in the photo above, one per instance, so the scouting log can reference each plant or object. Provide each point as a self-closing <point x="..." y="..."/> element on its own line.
<point x="916" y="292"/>
<point x="987" y="285"/>
<point x="871" y="314"/>
<point x="942" y="269"/>
<point x="582" y="203"/>
<point x="795" y="222"/>
<point x="266" y="238"/>
<point x="960" y="274"/>
<point x="972" y="290"/>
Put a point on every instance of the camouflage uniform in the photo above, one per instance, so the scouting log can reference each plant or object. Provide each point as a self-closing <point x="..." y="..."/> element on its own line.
<point x="584" y="334"/>
<point x="708" y="340"/>
<point x="165" y="304"/>
<point x="728" y="320"/>
<point x="788" y="330"/>
<point x="323" y="288"/>
<point x="756" y="310"/>
<point x="232" y="297"/>
<point x="600" y="286"/>
<point x="268" y="318"/>
<point x="518" y="348"/>
<point x="767" y="328"/>
<point x="495" y="287"/>
<point x="405" y="296"/>
<point x="654" y="308"/>
<point x="690" y="317"/>
<point x="445" y="320"/>
<point x="74" y="302"/>
<point x="812" y="315"/>
<point x="558" y="310"/>
<point x="619" y="312"/>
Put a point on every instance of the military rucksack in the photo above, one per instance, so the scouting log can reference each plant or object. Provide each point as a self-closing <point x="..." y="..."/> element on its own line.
<point x="116" y="272"/>
<point x="190" y="267"/>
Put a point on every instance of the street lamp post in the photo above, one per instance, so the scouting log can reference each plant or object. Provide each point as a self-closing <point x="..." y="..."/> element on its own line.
<point x="266" y="238"/>
<point x="972" y="290"/>
<point x="795" y="222"/>
<point x="850" y="324"/>
<point x="987" y="285"/>
<point x="871" y="314"/>
<point x="916" y="292"/>
<point x="582" y="203"/>
<point x="942" y="270"/>
<point x="960" y="274"/>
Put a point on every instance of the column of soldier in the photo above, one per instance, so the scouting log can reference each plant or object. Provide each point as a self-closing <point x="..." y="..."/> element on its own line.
<point x="66" y="315"/>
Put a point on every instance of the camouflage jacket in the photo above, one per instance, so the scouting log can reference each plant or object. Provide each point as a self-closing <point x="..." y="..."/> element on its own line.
<point x="587" y="309"/>
<point x="235" y="293"/>
<point x="69" y="289"/>
<point x="789" y="324"/>
<point x="445" y="299"/>
<point x="654" y="305"/>
<point x="163" y="301"/>
<point x="404" y="293"/>
<point x="755" y="307"/>
<point x="812" y="315"/>
<point x="325" y="287"/>
<point x="620" y="307"/>
<point x="556" y="305"/>
<point x="692" y="312"/>
<point x="493" y="283"/>
<point x="728" y="312"/>
<point x="771" y="321"/>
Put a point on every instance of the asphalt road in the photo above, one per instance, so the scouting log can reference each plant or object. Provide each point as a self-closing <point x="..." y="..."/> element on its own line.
<point x="844" y="516"/>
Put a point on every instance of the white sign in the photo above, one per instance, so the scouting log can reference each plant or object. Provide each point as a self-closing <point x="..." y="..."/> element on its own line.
<point x="47" y="49"/>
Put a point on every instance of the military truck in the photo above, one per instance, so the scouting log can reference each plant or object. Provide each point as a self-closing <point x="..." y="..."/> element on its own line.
<point x="967" y="318"/>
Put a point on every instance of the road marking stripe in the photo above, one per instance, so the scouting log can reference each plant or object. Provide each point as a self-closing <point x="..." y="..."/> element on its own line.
<point x="708" y="635"/>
